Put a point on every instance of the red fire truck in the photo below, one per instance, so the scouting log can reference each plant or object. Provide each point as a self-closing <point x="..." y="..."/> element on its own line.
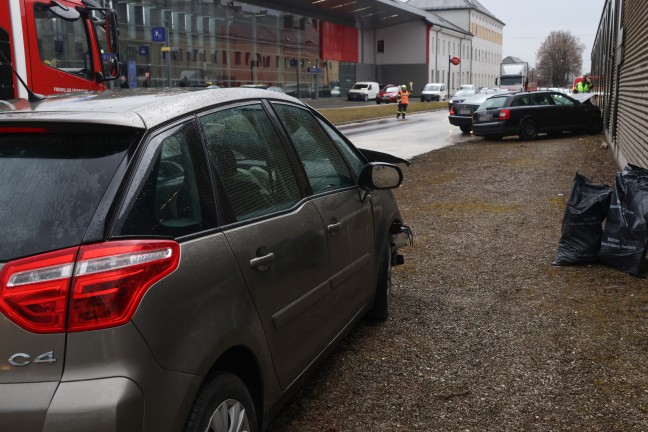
<point x="56" y="46"/>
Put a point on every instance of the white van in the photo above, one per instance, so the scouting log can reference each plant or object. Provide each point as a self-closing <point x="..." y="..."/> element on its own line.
<point x="434" y="92"/>
<point x="364" y="90"/>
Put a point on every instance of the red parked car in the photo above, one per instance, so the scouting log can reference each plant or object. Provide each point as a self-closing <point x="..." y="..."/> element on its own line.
<point x="387" y="94"/>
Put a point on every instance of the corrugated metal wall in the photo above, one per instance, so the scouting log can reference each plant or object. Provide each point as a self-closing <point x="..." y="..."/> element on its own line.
<point x="633" y="86"/>
<point x="620" y="70"/>
<point x="632" y="113"/>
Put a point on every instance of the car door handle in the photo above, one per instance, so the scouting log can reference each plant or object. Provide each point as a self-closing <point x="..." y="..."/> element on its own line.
<point x="334" y="227"/>
<point x="262" y="262"/>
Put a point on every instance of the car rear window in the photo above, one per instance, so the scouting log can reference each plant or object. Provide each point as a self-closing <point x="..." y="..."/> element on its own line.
<point x="50" y="186"/>
<point x="493" y="102"/>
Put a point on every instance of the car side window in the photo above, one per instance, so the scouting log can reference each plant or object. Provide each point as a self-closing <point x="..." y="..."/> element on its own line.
<point x="254" y="171"/>
<point x="356" y="161"/>
<point x="168" y="196"/>
<point x="323" y="164"/>
<point x="561" y="100"/>
<point x="522" y="101"/>
<point x="541" y="99"/>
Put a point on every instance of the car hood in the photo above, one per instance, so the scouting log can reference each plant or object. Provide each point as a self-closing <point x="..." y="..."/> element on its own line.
<point x="584" y="97"/>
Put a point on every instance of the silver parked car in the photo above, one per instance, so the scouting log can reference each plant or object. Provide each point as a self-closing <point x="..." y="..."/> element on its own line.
<point x="178" y="260"/>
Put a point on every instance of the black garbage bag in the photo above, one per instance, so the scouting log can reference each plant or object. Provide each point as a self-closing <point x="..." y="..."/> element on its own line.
<point x="582" y="227"/>
<point x="625" y="236"/>
<point x="635" y="170"/>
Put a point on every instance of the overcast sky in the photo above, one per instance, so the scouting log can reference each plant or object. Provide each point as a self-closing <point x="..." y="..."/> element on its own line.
<point x="528" y="23"/>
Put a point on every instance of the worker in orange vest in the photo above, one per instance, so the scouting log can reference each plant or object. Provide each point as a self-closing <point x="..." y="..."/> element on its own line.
<point x="403" y="101"/>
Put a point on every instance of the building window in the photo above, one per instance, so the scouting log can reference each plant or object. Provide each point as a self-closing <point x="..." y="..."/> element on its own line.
<point x="380" y="46"/>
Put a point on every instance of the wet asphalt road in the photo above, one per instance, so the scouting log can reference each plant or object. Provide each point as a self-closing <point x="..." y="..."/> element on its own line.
<point x="419" y="133"/>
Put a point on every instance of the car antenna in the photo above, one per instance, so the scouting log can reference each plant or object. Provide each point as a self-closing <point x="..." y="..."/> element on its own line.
<point x="31" y="96"/>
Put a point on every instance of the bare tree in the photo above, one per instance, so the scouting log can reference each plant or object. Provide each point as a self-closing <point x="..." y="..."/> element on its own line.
<point x="559" y="59"/>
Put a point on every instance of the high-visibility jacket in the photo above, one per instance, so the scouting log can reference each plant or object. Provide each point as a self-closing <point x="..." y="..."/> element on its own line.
<point x="403" y="97"/>
<point x="583" y="87"/>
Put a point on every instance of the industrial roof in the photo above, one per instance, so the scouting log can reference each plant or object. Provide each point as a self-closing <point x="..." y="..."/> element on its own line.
<point x="369" y="13"/>
<point x="442" y="5"/>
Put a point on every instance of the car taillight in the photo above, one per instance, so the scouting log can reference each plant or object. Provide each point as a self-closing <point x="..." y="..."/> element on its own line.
<point x="452" y="111"/>
<point x="87" y="288"/>
<point x="504" y="114"/>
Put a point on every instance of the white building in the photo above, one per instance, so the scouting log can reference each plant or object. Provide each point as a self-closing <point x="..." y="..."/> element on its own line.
<point x="419" y="51"/>
<point x="482" y="53"/>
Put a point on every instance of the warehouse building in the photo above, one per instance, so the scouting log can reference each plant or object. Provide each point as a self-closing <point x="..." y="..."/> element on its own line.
<point x="308" y="48"/>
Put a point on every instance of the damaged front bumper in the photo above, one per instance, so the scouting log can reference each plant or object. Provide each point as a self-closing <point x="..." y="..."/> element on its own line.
<point x="401" y="236"/>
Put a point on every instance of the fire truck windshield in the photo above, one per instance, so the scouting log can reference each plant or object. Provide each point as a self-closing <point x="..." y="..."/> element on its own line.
<point x="63" y="44"/>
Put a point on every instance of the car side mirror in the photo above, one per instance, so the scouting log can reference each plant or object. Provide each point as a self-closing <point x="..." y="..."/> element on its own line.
<point x="380" y="176"/>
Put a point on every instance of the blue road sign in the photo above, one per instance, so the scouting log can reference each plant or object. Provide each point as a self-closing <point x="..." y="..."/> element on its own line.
<point x="158" y="34"/>
<point x="144" y="50"/>
<point x="132" y="73"/>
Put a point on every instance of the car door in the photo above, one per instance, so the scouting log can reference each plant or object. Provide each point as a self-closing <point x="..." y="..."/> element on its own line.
<point x="568" y="116"/>
<point x="277" y="237"/>
<point x="544" y="111"/>
<point x="345" y="212"/>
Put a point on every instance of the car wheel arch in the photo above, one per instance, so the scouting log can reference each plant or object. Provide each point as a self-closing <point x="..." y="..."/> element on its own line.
<point x="241" y="362"/>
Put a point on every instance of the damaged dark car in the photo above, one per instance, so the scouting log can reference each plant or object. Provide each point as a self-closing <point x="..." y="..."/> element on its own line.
<point x="528" y="114"/>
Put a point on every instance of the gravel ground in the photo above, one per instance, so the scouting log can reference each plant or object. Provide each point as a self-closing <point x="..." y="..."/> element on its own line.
<point x="485" y="334"/>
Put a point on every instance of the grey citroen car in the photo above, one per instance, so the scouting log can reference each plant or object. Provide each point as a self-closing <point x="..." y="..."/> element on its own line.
<point x="179" y="260"/>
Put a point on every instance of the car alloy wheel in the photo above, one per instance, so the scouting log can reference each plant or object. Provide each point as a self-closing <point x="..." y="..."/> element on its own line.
<point x="229" y="416"/>
<point x="529" y="130"/>
<point x="223" y="404"/>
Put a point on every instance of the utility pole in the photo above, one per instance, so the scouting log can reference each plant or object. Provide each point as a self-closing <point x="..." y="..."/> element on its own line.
<point x="449" y="64"/>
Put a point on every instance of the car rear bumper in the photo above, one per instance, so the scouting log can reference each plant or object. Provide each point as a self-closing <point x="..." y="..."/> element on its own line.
<point x="111" y="383"/>
<point x="456" y="120"/>
<point x="23" y="406"/>
<point x="103" y="405"/>
<point x="493" y="128"/>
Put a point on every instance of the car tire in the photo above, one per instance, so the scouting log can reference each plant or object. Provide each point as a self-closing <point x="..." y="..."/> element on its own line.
<point x="377" y="101"/>
<point x="465" y="129"/>
<point x="594" y="125"/>
<point x="366" y="98"/>
<point x="422" y="99"/>
<point x="382" y="300"/>
<point x="220" y="397"/>
<point x="529" y="130"/>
